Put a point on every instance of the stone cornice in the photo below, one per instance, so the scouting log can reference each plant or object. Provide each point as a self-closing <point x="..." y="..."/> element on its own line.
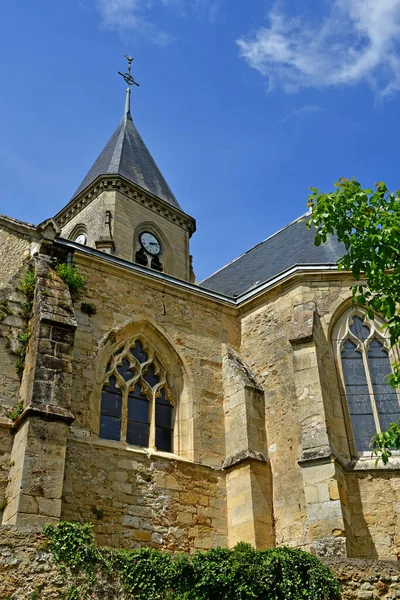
<point x="26" y="229"/>
<point x="117" y="183"/>
<point x="48" y="412"/>
<point x="245" y="303"/>
<point x="363" y="463"/>
<point x="243" y="456"/>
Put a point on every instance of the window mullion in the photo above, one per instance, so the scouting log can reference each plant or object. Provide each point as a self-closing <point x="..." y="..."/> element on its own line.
<point x="370" y="388"/>
<point x="152" y="440"/>
<point x="343" y="399"/>
<point x="124" y="416"/>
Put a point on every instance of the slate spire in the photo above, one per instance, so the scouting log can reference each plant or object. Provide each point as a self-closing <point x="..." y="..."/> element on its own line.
<point x="126" y="154"/>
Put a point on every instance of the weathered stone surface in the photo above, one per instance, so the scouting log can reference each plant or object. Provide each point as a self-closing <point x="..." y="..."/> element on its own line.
<point x="27" y="568"/>
<point x="242" y="456"/>
<point x="165" y="503"/>
<point x="257" y="381"/>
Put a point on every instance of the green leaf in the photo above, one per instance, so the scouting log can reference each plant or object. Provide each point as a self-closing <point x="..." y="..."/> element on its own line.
<point x="367" y="221"/>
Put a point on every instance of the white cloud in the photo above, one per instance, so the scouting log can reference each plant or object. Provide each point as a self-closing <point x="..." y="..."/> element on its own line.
<point x="303" y="110"/>
<point x="357" y="40"/>
<point x="136" y="15"/>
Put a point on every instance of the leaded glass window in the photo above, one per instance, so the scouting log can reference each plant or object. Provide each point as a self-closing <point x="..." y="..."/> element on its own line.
<point x="363" y="359"/>
<point x="136" y="404"/>
<point x="110" y="419"/>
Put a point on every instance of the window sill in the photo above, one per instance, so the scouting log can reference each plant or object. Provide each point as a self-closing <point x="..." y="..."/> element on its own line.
<point x="149" y="452"/>
<point x="366" y="463"/>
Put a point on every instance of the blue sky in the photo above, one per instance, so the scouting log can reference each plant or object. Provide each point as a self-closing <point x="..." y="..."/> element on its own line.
<point x="244" y="104"/>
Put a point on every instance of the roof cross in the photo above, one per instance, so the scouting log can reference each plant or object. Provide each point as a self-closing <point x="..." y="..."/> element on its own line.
<point x="127" y="76"/>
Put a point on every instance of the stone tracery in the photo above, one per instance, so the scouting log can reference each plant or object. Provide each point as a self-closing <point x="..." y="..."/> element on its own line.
<point x="136" y="403"/>
<point x="362" y="352"/>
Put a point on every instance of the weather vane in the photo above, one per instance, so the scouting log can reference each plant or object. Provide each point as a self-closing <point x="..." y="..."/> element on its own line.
<point x="127" y="76"/>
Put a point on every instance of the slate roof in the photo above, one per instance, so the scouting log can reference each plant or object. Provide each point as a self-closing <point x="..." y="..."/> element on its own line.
<point x="126" y="154"/>
<point x="293" y="245"/>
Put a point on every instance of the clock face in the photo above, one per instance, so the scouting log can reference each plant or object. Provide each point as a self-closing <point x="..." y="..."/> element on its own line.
<point x="81" y="239"/>
<point x="150" y="243"/>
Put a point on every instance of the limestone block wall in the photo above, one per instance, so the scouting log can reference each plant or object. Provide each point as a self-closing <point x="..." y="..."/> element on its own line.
<point x="6" y="441"/>
<point x="248" y="472"/>
<point x="38" y="452"/>
<point x="365" y="496"/>
<point x="11" y="326"/>
<point x="135" y="499"/>
<point x="156" y="499"/>
<point x="28" y="571"/>
<point x="373" y="500"/>
<point x="128" y="215"/>
<point x="266" y="349"/>
<point x="192" y="328"/>
<point x="93" y="217"/>
<point x="15" y="241"/>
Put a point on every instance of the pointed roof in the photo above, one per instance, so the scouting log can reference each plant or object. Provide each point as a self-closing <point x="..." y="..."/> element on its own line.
<point x="290" y="247"/>
<point x="126" y="154"/>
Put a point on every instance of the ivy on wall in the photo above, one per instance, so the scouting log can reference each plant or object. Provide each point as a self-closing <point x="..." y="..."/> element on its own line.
<point x="219" y="574"/>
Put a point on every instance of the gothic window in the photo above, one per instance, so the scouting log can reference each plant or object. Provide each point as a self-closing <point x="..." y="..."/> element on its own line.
<point x="362" y="352"/>
<point x="79" y="234"/>
<point x="136" y="405"/>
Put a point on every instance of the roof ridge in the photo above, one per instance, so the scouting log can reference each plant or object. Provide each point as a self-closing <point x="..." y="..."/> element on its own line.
<point x="119" y="146"/>
<point x="152" y="158"/>
<point x="255" y="246"/>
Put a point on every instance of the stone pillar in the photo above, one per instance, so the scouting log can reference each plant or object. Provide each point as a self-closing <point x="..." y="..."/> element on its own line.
<point x="38" y="455"/>
<point x="325" y="516"/>
<point x="248" y="477"/>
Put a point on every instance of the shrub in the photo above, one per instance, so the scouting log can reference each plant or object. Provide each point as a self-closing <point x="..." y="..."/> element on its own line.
<point x="14" y="413"/>
<point x="218" y="574"/>
<point x="71" y="276"/>
<point x="88" y="308"/>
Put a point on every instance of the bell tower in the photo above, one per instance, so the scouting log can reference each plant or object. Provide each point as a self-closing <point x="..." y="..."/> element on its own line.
<point x="125" y="207"/>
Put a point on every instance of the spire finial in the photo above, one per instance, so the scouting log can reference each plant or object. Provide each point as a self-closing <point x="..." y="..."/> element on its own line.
<point x="130" y="81"/>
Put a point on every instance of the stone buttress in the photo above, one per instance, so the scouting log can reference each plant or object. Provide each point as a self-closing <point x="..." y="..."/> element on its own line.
<point x="38" y="454"/>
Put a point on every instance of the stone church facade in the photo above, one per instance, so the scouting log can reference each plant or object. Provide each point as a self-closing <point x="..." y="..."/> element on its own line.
<point x="185" y="415"/>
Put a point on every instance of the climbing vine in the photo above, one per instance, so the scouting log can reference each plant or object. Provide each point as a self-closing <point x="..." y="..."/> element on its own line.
<point x="219" y="574"/>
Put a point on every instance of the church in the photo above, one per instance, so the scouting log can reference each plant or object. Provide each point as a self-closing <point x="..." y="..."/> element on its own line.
<point x="187" y="415"/>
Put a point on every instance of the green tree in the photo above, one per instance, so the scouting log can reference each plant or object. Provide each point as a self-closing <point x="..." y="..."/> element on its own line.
<point x="368" y="223"/>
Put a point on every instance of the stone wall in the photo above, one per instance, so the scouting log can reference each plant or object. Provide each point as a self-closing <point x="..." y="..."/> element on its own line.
<point x="6" y="441"/>
<point x="366" y="579"/>
<point x="35" y="481"/>
<point x="373" y="499"/>
<point x="129" y="217"/>
<point x="156" y="499"/>
<point x="305" y="423"/>
<point x="187" y="331"/>
<point x="92" y="217"/>
<point x="228" y="371"/>
<point x="28" y="571"/>
<point x="133" y="498"/>
<point x="11" y="326"/>
<point x="15" y="241"/>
